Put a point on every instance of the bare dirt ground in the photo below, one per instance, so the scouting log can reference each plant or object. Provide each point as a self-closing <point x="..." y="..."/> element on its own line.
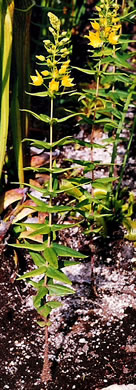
<point x="92" y="339"/>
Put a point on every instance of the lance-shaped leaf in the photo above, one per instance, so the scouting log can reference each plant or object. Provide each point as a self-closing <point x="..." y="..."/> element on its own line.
<point x="41" y="294"/>
<point x="104" y="182"/>
<point x="47" y="145"/>
<point x="108" y="121"/>
<point x="43" y="207"/>
<point x="70" y="263"/>
<point x="41" y="117"/>
<point x="87" y="71"/>
<point x="57" y="275"/>
<point x="58" y="290"/>
<point x="45" y="228"/>
<point x="44" y="311"/>
<point x="69" y="117"/>
<point x="31" y="247"/>
<point x="54" y="304"/>
<point x="65" y="251"/>
<point x="37" y="258"/>
<point x="39" y="271"/>
<point x="70" y="189"/>
<point x="38" y="94"/>
<point x="42" y="170"/>
<point x="51" y="257"/>
<point x="31" y="235"/>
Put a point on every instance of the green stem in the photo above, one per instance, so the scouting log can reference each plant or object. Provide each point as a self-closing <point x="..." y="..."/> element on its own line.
<point x="119" y="129"/>
<point x="50" y="183"/>
<point x="125" y="159"/>
<point x="94" y="116"/>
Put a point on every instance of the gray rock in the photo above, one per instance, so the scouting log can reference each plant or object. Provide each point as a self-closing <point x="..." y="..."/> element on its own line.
<point x="120" y="387"/>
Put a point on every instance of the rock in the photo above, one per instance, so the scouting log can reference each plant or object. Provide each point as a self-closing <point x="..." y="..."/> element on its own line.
<point x="120" y="387"/>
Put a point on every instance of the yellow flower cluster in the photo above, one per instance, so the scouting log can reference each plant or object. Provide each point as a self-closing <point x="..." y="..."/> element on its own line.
<point x="59" y="71"/>
<point x="106" y="29"/>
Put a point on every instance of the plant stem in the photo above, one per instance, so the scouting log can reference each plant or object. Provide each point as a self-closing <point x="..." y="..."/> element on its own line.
<point x="50" y="183"/>
<point x="96" y="96"/>
<point x="125" y="158"/>
<point x="46" y="374"/>
<point x="119" y="129"/>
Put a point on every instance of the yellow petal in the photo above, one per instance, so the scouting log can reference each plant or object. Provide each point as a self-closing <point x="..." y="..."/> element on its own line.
<point x="54" y="86"/>
<point x="67" y="81"/>
<point x="40" y="58"/>
<point x="113" y="38"/>
<point x="37" y="80"/>
<point x="55" y="73"/>
<point x="95" y="39"/>
<point x="107" y="31"/>
<point x="95" y="25"/>
<point x="45" y="73"/>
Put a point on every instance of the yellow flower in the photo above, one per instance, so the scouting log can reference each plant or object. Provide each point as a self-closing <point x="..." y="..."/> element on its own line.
<point x="37" y="80"/>
<point x="67" y="81"/>
<point x="98" y="9"/>
<point x="64" y="67"/>
<point x="54" y="21"/>
<point x="55" y="73"/>
<point x="95" y="25"/>
<point x="113" y="38"/>
<point x="115" y="19"/>
<point x="54" y="86"/>
<point x="94" y="39"/>
<point x="107" y="31"/>
<point x="116" y="28"/>
<point x="40" y="58"/>
<point x="45" y="73"/>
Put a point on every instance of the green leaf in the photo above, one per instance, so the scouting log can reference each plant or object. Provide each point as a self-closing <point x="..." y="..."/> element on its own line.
<point x="89" y="164"/>
<point x="105" y="180"/>
<point x="65" y="251"/>
<point x="58" y="290"/>
<point x="31" y="247"/>
<point x="70" y="189"/>
<point x="51" y="209"/>
<point x="57" y="275"/>
<point x="112" y="78"/>
<point x="42" y="324"/>
<point x="129" y="16"/>
<point x="54" y="304"/>
<point x="41" y="294"/>
<point x="41" y="117"/>
<point x="55" y="228"/>
<point x="69" y="117"/>
<point x="36" y="284"/>
<point x="37" y="258"/>
<point x="122" y="61"/>
<point x="87" y="71"/>
<point x="54" y="209"/>
<point x="70" y="263"/>
<point x="44" y="311"/>
<point x="107" y="121"/>
<point x="39" y="271"/>
<point x="87" y="144"/>
<point x="47" y="145"/>
<point x="40" y="94"/>
<point x="51" y="257"/>
<point x="43" y="169"/>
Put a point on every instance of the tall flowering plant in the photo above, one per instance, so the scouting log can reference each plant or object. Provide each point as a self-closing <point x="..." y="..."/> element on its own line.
<point x="107" y="26"/>
<point x="55" y="79"/>
<point x="105" y="108"/>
